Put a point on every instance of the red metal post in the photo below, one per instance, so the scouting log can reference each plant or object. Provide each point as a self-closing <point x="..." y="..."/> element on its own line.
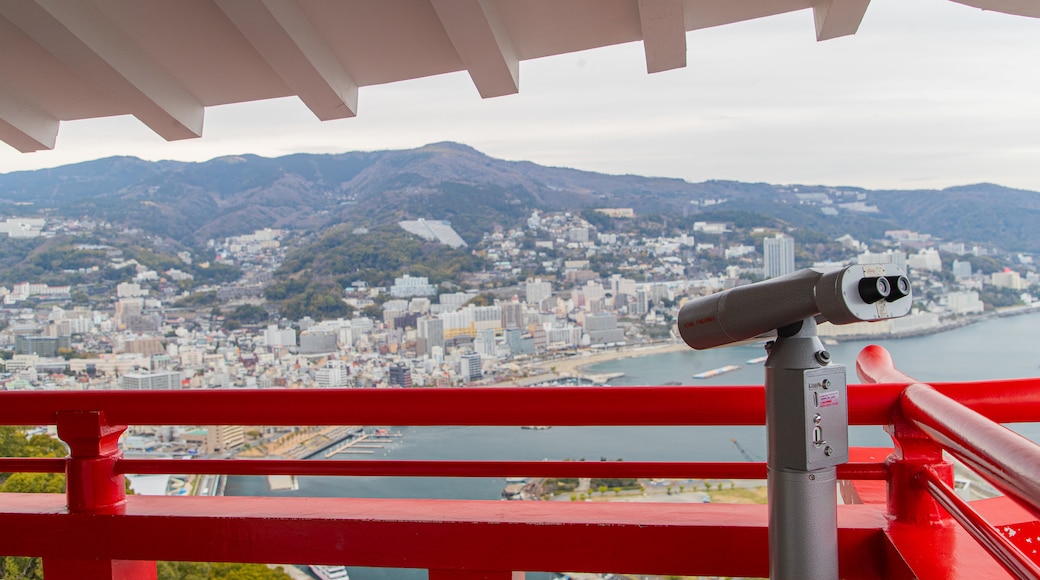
<point x="915" y="452"/>
<point x="92" y="486"/>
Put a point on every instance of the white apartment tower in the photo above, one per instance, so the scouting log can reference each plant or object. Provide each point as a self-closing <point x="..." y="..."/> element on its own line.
<point x="779" y="255"/>
<point x="334" y="375"/>
<point x="537" y="291"/>
<point x="430" y="334"/>
<point x="469" y="367"/>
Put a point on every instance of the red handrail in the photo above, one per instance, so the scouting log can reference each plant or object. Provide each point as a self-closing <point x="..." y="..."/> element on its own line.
<point x="1007" y="460"/>
<point x="996" y="544"/>
<point x="670" y="470"/>
<point x="869" y="404"/>
<point x="32" y="465"/>
<point x="626" y="469"/>
<point x="1004" y="458"/>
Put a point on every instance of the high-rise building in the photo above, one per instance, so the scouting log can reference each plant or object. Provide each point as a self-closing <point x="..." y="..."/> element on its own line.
<point x="151" y="381"/>
<point x="408" y="286"/>
<point x="484" y="343"/>
<point x="961" y="270"/>
<point x="537" y="291"/>
<point x="45" y="346"/>
<point x="318" y="342"/>
<point x="275" y="337"/>
<point x="926" y="259"/>
<point x="603" y="328"/>
<point x="779" y="255"/>
<point x="512" y="314"/>
<point x="334" y="375"/>
<point x="400" y="375"/>
<point x="222" y="438"/>
<point x="1008" y="279"/>
<point x="430" y="334"/>
<point x="518" y="342"/>
<point x="469" y="367"/>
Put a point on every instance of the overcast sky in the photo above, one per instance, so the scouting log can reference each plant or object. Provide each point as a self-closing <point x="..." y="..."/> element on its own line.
<point x="928" y="94"/>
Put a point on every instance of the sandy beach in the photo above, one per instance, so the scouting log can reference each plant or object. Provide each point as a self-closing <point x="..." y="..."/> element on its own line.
<point x="577" y="365"/>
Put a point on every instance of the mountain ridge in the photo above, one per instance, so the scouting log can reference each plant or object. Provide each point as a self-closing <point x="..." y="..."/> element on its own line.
<point x="191" y="202"/>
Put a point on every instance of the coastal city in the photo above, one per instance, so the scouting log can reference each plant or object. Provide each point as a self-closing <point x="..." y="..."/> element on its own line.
<point x="305" y="290"/>
<point x="589" y="295"/>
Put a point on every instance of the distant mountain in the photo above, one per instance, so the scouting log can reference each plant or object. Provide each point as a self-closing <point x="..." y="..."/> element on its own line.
<point x="189" y="203"/>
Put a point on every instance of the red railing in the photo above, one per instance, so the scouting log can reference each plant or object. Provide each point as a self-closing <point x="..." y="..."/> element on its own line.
<point x="1007" y="460"/>
<point x="106" y="534"/>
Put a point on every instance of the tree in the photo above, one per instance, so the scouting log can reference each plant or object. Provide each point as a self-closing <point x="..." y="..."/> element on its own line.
<point x="217" y="571"/>
<point x="482" y="299"/>
<point x="14" y="443"/>
<point x="34" y="483"/>
<point x="21" y="568"/>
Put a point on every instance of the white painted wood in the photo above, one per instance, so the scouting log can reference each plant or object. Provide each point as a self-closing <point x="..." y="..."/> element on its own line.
<point x="25" y="127"/>
<point x="483" y="44"/>
<point x="836" y="18"/>
<point x="664" y="34"/>
<point x="85" y="41"/>
<point x="289" y="42"/>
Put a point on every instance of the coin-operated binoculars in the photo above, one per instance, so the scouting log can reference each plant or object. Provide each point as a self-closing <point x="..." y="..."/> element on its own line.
<point x="806" y="405"/>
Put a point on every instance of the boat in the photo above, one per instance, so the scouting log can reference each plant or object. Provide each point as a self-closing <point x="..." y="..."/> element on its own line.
<point x="716" y="372"/>
<point x="330" y="572"/>
<point x="756" y="360"/>
<point x="536" y="427"/>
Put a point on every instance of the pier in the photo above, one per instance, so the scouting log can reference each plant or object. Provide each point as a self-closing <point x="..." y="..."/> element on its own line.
<point x="600" y="378"/>
<point x="314" y="443"/>
<point x="363" y="445"/>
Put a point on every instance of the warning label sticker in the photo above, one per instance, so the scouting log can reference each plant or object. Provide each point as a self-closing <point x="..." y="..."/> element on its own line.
<point x="829" y="399"/>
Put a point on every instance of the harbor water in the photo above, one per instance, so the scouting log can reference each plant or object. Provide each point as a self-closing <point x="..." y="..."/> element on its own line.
<point x="995" y="348"/>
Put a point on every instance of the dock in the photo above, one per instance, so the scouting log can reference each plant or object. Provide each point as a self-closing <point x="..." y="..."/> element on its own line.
<point x="314" y="443"/>
<point x="601" y="378"/>
<point x="716" y="372"/>
<point x="364" y="444"/>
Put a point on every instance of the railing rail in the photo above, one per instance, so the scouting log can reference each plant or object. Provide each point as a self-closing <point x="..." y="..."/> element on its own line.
<point x="573" y="469"/>
<point x="870" y="404"/>
<point x="1005" y="459"/>
<point x="659" y="534"/>
<point x="1004" y="551"/>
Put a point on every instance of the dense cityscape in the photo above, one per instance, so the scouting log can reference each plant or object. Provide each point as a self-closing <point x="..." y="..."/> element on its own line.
<point x="492" y="329"/>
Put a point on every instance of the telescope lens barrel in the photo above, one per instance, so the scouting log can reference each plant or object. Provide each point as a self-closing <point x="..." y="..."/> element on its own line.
<point x="857" y="293"/>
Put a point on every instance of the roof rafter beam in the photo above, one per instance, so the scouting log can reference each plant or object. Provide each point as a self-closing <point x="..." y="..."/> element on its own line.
<point x="482" y="42"/>
<point x="25" y="127"/>
<point x="664" y="34"/>
<point x="86" y="41"/>
<point x="1015" y="7"/>
<point x="292" y="46"/>
<point x="836" y="18"/>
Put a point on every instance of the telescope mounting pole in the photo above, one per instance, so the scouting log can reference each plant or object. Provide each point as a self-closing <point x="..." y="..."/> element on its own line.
<point x="807" y="431"/>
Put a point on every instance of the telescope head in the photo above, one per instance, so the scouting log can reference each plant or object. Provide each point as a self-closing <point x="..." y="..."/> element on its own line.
<point x="858" y="293"/>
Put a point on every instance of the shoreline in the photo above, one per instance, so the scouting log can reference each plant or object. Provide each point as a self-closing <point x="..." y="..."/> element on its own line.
<point x="578" y="365"/>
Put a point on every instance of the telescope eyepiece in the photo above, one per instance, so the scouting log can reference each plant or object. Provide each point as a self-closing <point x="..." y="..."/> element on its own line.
<point x="874" y="289"/>
<point x="900" y="287"/>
